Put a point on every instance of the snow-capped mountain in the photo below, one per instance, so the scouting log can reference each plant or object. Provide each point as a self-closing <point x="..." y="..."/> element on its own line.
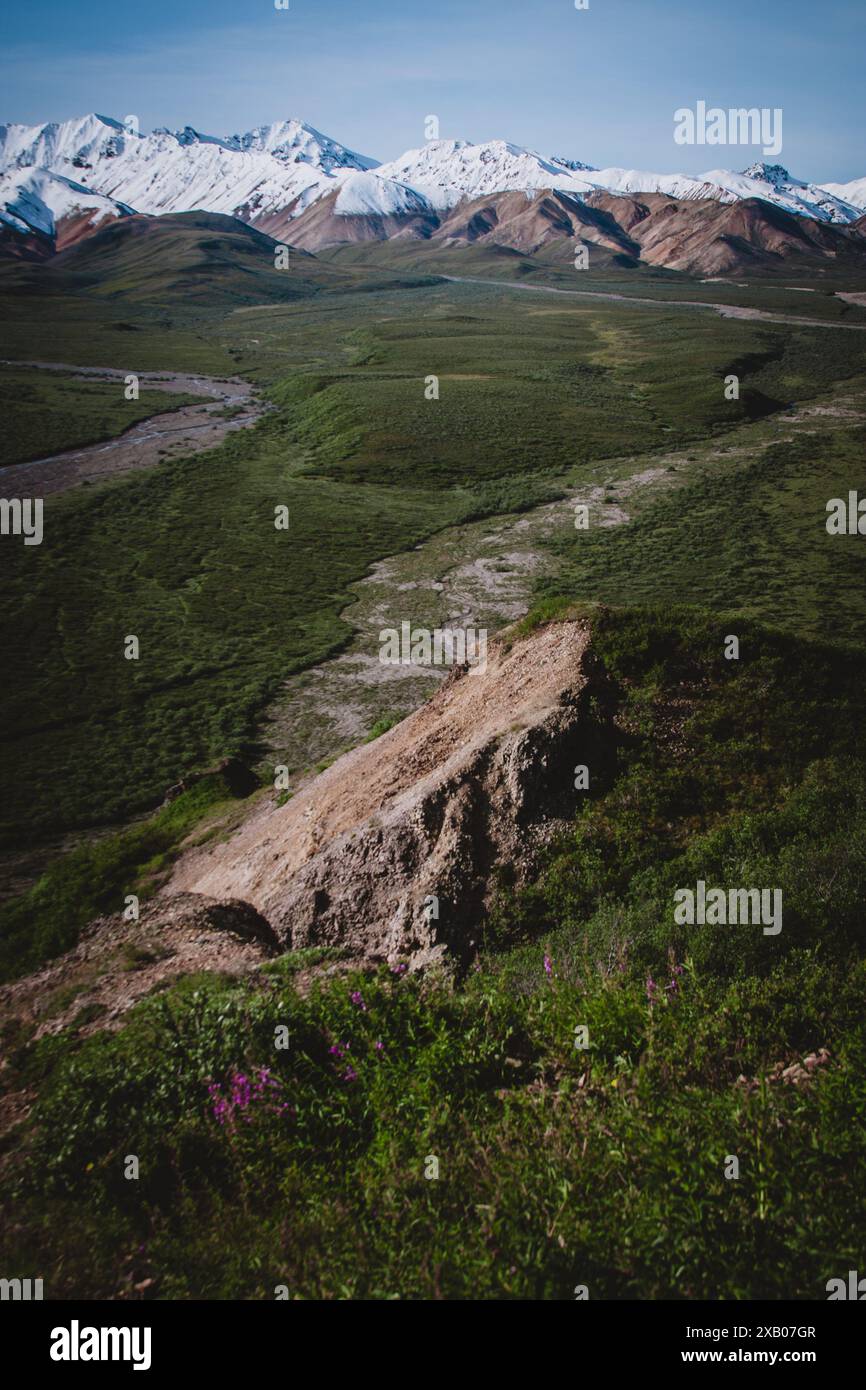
<point x="273" y="174"/>
<point x="292" y="142"/>
<point x="853" y="192"/>
<point x="769" y="182"/>
<point x="673" y="185"/>
<point x="270" y="168"/>
<point x="35" y="200"/>
<point x="774" y="184"/>
<point x="445" y="171"/>
<point x="365" y="195"/>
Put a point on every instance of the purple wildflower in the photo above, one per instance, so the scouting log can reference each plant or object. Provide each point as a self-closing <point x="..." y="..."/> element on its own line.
<point x="548" y="967"/>
<point x="676" y="970"/>
<point x="246" y="1095"/>
<point x="358" y="1001"/>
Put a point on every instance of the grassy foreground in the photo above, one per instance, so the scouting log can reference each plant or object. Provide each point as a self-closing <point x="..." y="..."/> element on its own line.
<point x="310" y="1168"/>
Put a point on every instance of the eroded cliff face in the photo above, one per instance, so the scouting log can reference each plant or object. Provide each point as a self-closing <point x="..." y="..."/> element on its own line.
<point x="391" y="852"/>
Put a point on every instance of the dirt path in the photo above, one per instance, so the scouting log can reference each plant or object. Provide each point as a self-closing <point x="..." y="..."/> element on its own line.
<point x="187" y="430"/>
<point x="725" y="311"/>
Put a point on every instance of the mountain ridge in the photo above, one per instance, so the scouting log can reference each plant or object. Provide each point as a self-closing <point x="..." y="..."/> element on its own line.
<point x="60" y="181"/>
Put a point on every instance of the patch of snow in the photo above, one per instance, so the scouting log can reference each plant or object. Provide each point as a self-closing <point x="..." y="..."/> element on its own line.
<point x="369" y="194"/>
<point x="446" y="171"/>
<point x="285" y="166"/>
<point x="36" y="200"/>
<point x="853" y="192"/>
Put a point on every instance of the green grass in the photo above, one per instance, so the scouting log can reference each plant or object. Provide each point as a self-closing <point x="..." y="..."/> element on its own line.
<point x="750" y="537"/>
<point x="695" y="775"/>
<point x="70" y="328"/>
<point x="557" y="1166"/>
<point x="777" y="292"/>
<point x="528" y="388"/>
<point x="47" y="412"/>
<point x="185" y="556"/>
<point x="96" y="878"/>
<point x="630" y="1198"/>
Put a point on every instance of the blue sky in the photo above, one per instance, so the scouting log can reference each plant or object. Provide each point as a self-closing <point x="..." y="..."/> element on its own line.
<point x="599" y="85"/>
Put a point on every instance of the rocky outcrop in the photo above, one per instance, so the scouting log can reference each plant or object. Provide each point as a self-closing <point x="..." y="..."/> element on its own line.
<point x="391" y="852"/>
<point x="193" y="913"/>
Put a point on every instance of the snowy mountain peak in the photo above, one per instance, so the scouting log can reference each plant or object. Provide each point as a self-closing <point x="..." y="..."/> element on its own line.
<point x="272" y="173"/>
<point x="365" y="194"/>
<point x="35" y="200"/>
<point x="774" y="174"/>
<point x="853" y="193"/>
<point x="774" y="184"/>
<point x="575" y="165"/>
<point x="57" y="143"/>
<point x="447" y="170"/>
<point x="190" y="136"/>
<point x="294" y="141"/>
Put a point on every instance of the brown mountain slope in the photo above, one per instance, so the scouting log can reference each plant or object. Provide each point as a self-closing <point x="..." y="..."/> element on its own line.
<point x="703" y="237"/>
<point x="23" y="246"/>
<point x="527" y="224"/>
<point x="699" y="236"/>
<point x="320" y="226"/>
<point x="514" y="220"/>
<point x="708" y="237"/>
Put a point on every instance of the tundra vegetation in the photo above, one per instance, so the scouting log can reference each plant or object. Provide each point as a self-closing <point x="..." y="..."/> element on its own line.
<point x="559" y="1164"/>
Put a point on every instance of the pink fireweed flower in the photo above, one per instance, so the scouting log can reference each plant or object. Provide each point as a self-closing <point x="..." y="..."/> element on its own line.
<point x="246" y="1097"/>
<point x="399" y="968"/>
<point x="548" y="967"/>
<point x="380" y="1046"/>
<point x="673" y="988"/>
<point x="350" y="1074"/>
<point x="651" y="988"/>
<point x="358" y="1000"/>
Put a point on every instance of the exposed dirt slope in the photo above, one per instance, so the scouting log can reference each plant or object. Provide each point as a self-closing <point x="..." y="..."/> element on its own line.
<point x="118" y="962"/>
<point x="474" y="779"/>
